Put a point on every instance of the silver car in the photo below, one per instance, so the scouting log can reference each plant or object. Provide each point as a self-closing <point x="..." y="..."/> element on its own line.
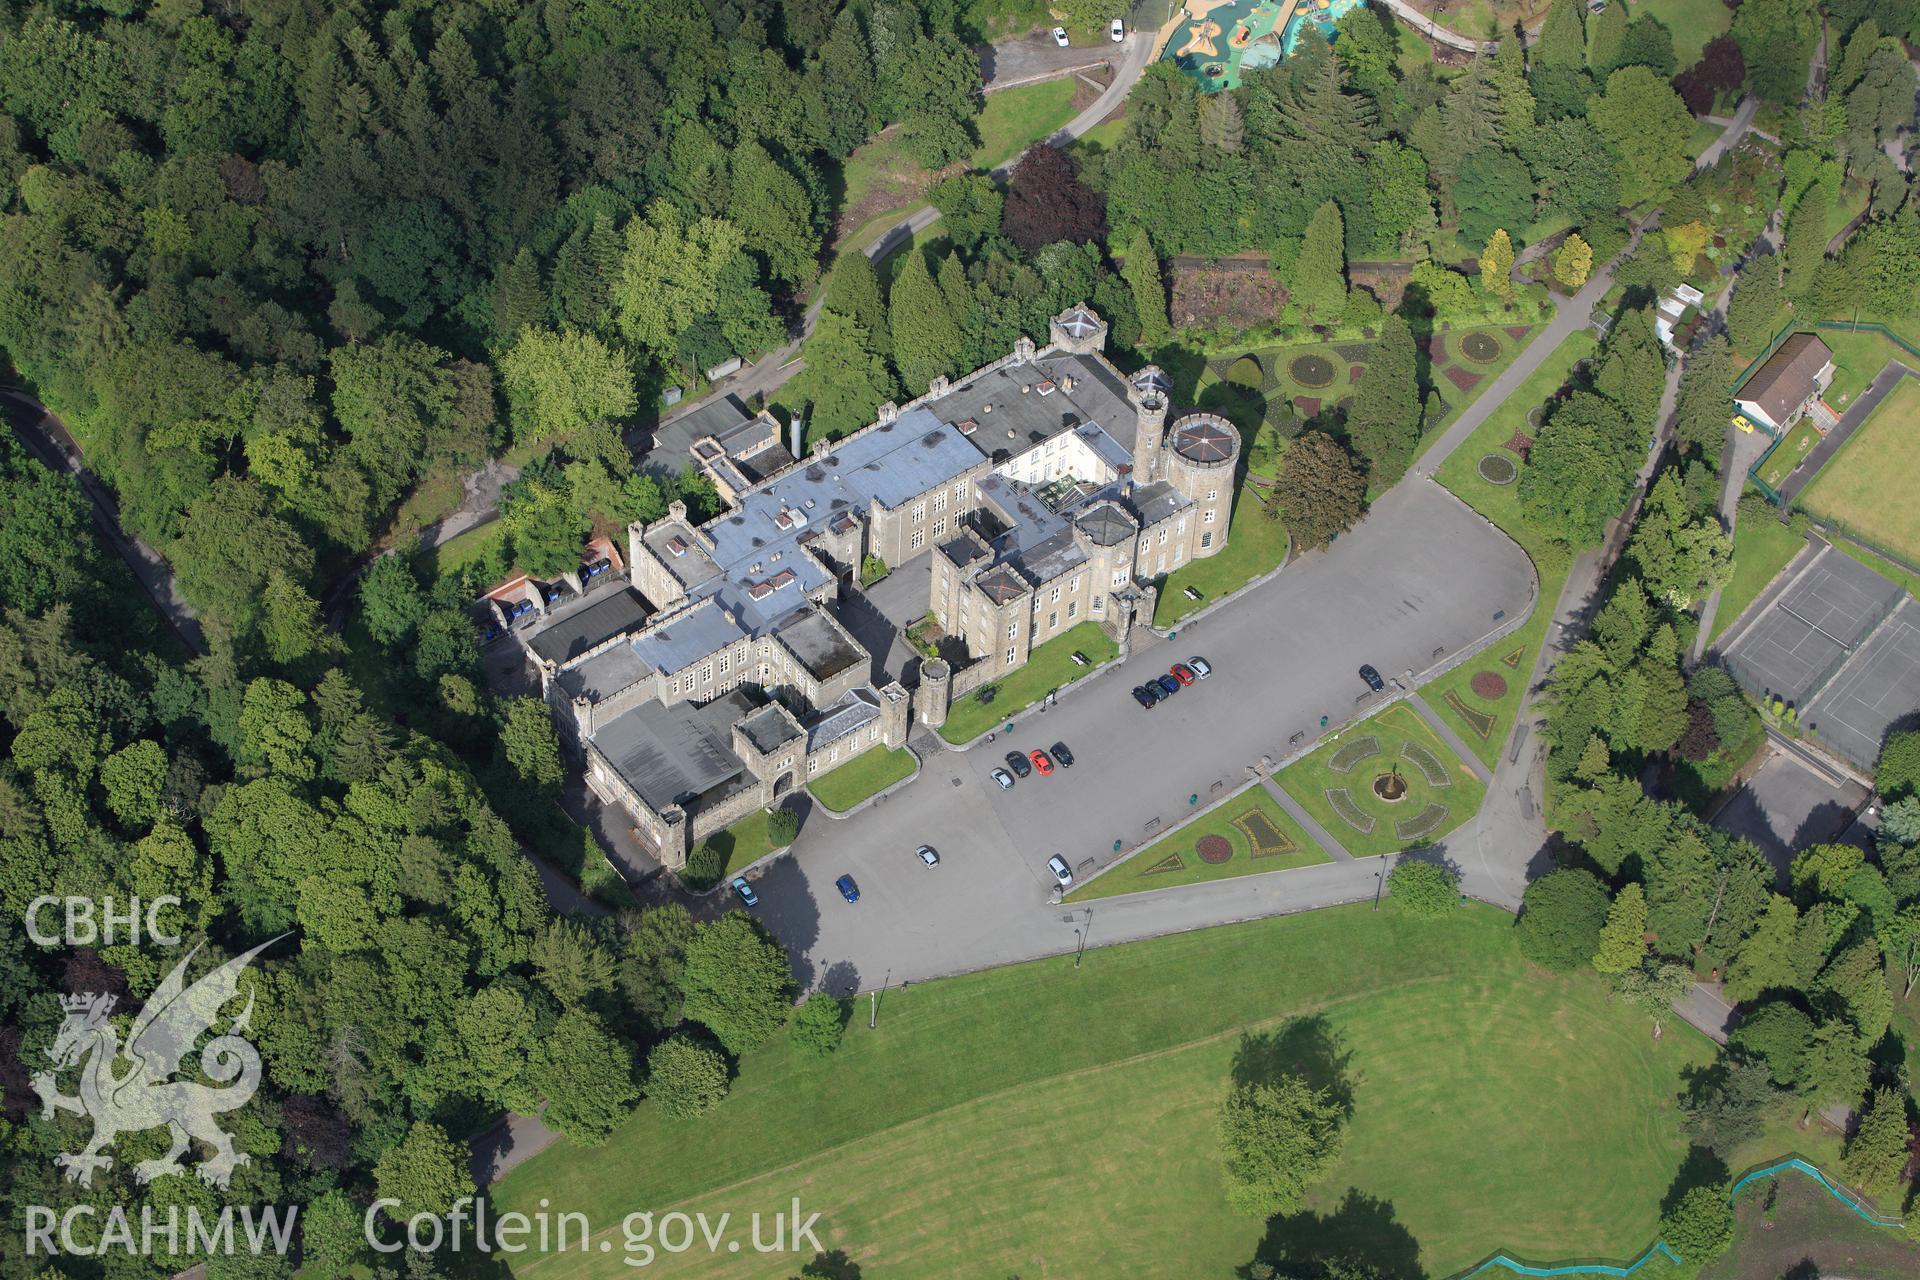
<point x="1061" y="871"/>
<point x="1004" y="778"/>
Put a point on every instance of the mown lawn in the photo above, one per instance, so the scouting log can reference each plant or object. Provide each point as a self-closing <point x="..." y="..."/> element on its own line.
<point x="1172" y="860"/>
<point x="1050" y="666"/>
<point x="870" y="772"/>
<point x="746" y="841"/>
<point x="1038" y="1120"/>
<point x="1786" y="455"/>
<point x="1256" y="544"/>
<point x="1486" y="722"/>
<point x="1460" y="475"/>
<point x="1867" y="486"/>
<point x="1692" y="23"/>
<point x="1857" y="357"/>
<point x="1309" y="779"/>
<point x="1761" y="549"/>
<point x="1501" y="503"/>
<point x="1014" y="118"/>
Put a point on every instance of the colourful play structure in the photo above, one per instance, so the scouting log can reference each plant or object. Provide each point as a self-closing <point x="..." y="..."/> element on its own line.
<point x="1258" y="34"/>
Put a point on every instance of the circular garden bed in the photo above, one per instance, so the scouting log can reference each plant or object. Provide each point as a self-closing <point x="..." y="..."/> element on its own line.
<point x="1481" y="348"/>
<point x="1213" y="849"/>
<point x="1311" y="371"/>
<point x="1490" y="685"/>
<point x="1496" y="468"/>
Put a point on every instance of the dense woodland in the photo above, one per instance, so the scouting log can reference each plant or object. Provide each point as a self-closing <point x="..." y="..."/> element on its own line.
<point x="281" y="266"/>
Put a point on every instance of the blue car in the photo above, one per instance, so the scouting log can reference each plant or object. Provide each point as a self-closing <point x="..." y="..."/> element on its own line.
<point x="747" y="895"/>
<point x="848" y="889"/>
<point x="1168" y="685"/>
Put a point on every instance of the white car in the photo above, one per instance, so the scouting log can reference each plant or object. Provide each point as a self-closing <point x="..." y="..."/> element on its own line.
<point x="1004" y="778"/>
<point x="1061" y="871"/>
<point x="1201" y="667"/>
<point x="1060" y="36"/>
<point x="1118" y="31"/>
<point x="927" y="855"/>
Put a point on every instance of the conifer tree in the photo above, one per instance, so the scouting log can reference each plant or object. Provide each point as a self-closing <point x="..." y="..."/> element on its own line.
<point x="1319" y="285"/>
<point x="926" y="336"/>
<point x="1623" y="939"/>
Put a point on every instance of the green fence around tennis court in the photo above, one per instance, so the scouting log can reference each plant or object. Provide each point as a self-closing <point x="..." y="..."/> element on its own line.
<point x="1787" y="331"/>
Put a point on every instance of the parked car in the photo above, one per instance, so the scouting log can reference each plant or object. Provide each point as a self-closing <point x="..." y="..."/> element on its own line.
<point x="1117" y="32"/>
<point x="1062" y="756"/>
<point x="1004" y="778"/>
<point x="1183" y="673"/>
<point x="1201" y="667"/>
<point x="1146" y="695"/>
<point x="1061" y="871"/>
<point x="1372" y="677"/>
<point x="927" y="855"/>
<point x="1060" y="36"/>
<point x="848" y="889"/>
<point x="747" y="896"/>
<point x="1168" y="685"/>
<point x="1018" y="763"/>
<point x="1040" y="761"/>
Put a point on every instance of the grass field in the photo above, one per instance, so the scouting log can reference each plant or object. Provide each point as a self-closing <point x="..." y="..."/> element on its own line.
<point x="1013" y="118"/>
<point x="1256" y="544"/>
<point x="1137" y="873"/>
<point x="1857" y="357"/>
<point x="1049" y="666"/>
<point x="870" y="772"/>
<point x="1393" y="731"/>
<point x="1761" y="549"/>
<point x="882" y="180"/>
<point x="1494" y="1106"/>
<point x="1692" y="22"/>
<point x="1866" y="486"/>
<point x="1789" y="452"/>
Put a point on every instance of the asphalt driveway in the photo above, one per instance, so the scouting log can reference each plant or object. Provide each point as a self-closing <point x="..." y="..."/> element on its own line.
<point x="1422" y="573"/>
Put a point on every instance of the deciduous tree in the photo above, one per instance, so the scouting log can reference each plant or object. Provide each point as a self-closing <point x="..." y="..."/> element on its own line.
<point x="1320" y="491"/>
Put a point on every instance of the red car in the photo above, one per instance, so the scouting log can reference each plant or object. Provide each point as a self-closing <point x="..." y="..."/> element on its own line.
<point x="1183" y="673"/>
<point x="1041" y="761"/>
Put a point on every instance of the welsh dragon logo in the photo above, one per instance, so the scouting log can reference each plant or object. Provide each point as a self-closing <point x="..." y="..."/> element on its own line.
<point x="143" y="1095"/>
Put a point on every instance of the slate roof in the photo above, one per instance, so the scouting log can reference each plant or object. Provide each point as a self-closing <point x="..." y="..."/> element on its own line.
<point x="1205" y="438"/>
<point x="1105" y="523"/>
<point x="856" y="709"/>
<point x="1786" y="381"/>
<point x="578" y="628"/>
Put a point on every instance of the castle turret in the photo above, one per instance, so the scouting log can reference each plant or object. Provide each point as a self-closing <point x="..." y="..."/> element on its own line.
<point x="1150" y="391"/>
<point x="1078" y="329"/>
<point x="1202" y="453"/>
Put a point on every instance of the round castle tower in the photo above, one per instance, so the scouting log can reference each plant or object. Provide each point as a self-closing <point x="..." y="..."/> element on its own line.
<point x="1199" y="459"/>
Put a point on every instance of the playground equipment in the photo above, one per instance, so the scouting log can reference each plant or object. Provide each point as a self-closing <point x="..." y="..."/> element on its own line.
<point x="1201" y="41"/>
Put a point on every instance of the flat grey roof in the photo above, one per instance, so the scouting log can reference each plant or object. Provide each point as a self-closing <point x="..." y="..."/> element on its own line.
<point x="672" y="755"/>
<point x="769" y="729"/>
<point x="822" y="648"/>
<point x="582" y="625"/>
<point x="686" y="637"/>
<point x="671" y="446"/>
<point x="1096" y="396"/>
<point x="604" y="674"/>
<point x="690" y="563"/>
